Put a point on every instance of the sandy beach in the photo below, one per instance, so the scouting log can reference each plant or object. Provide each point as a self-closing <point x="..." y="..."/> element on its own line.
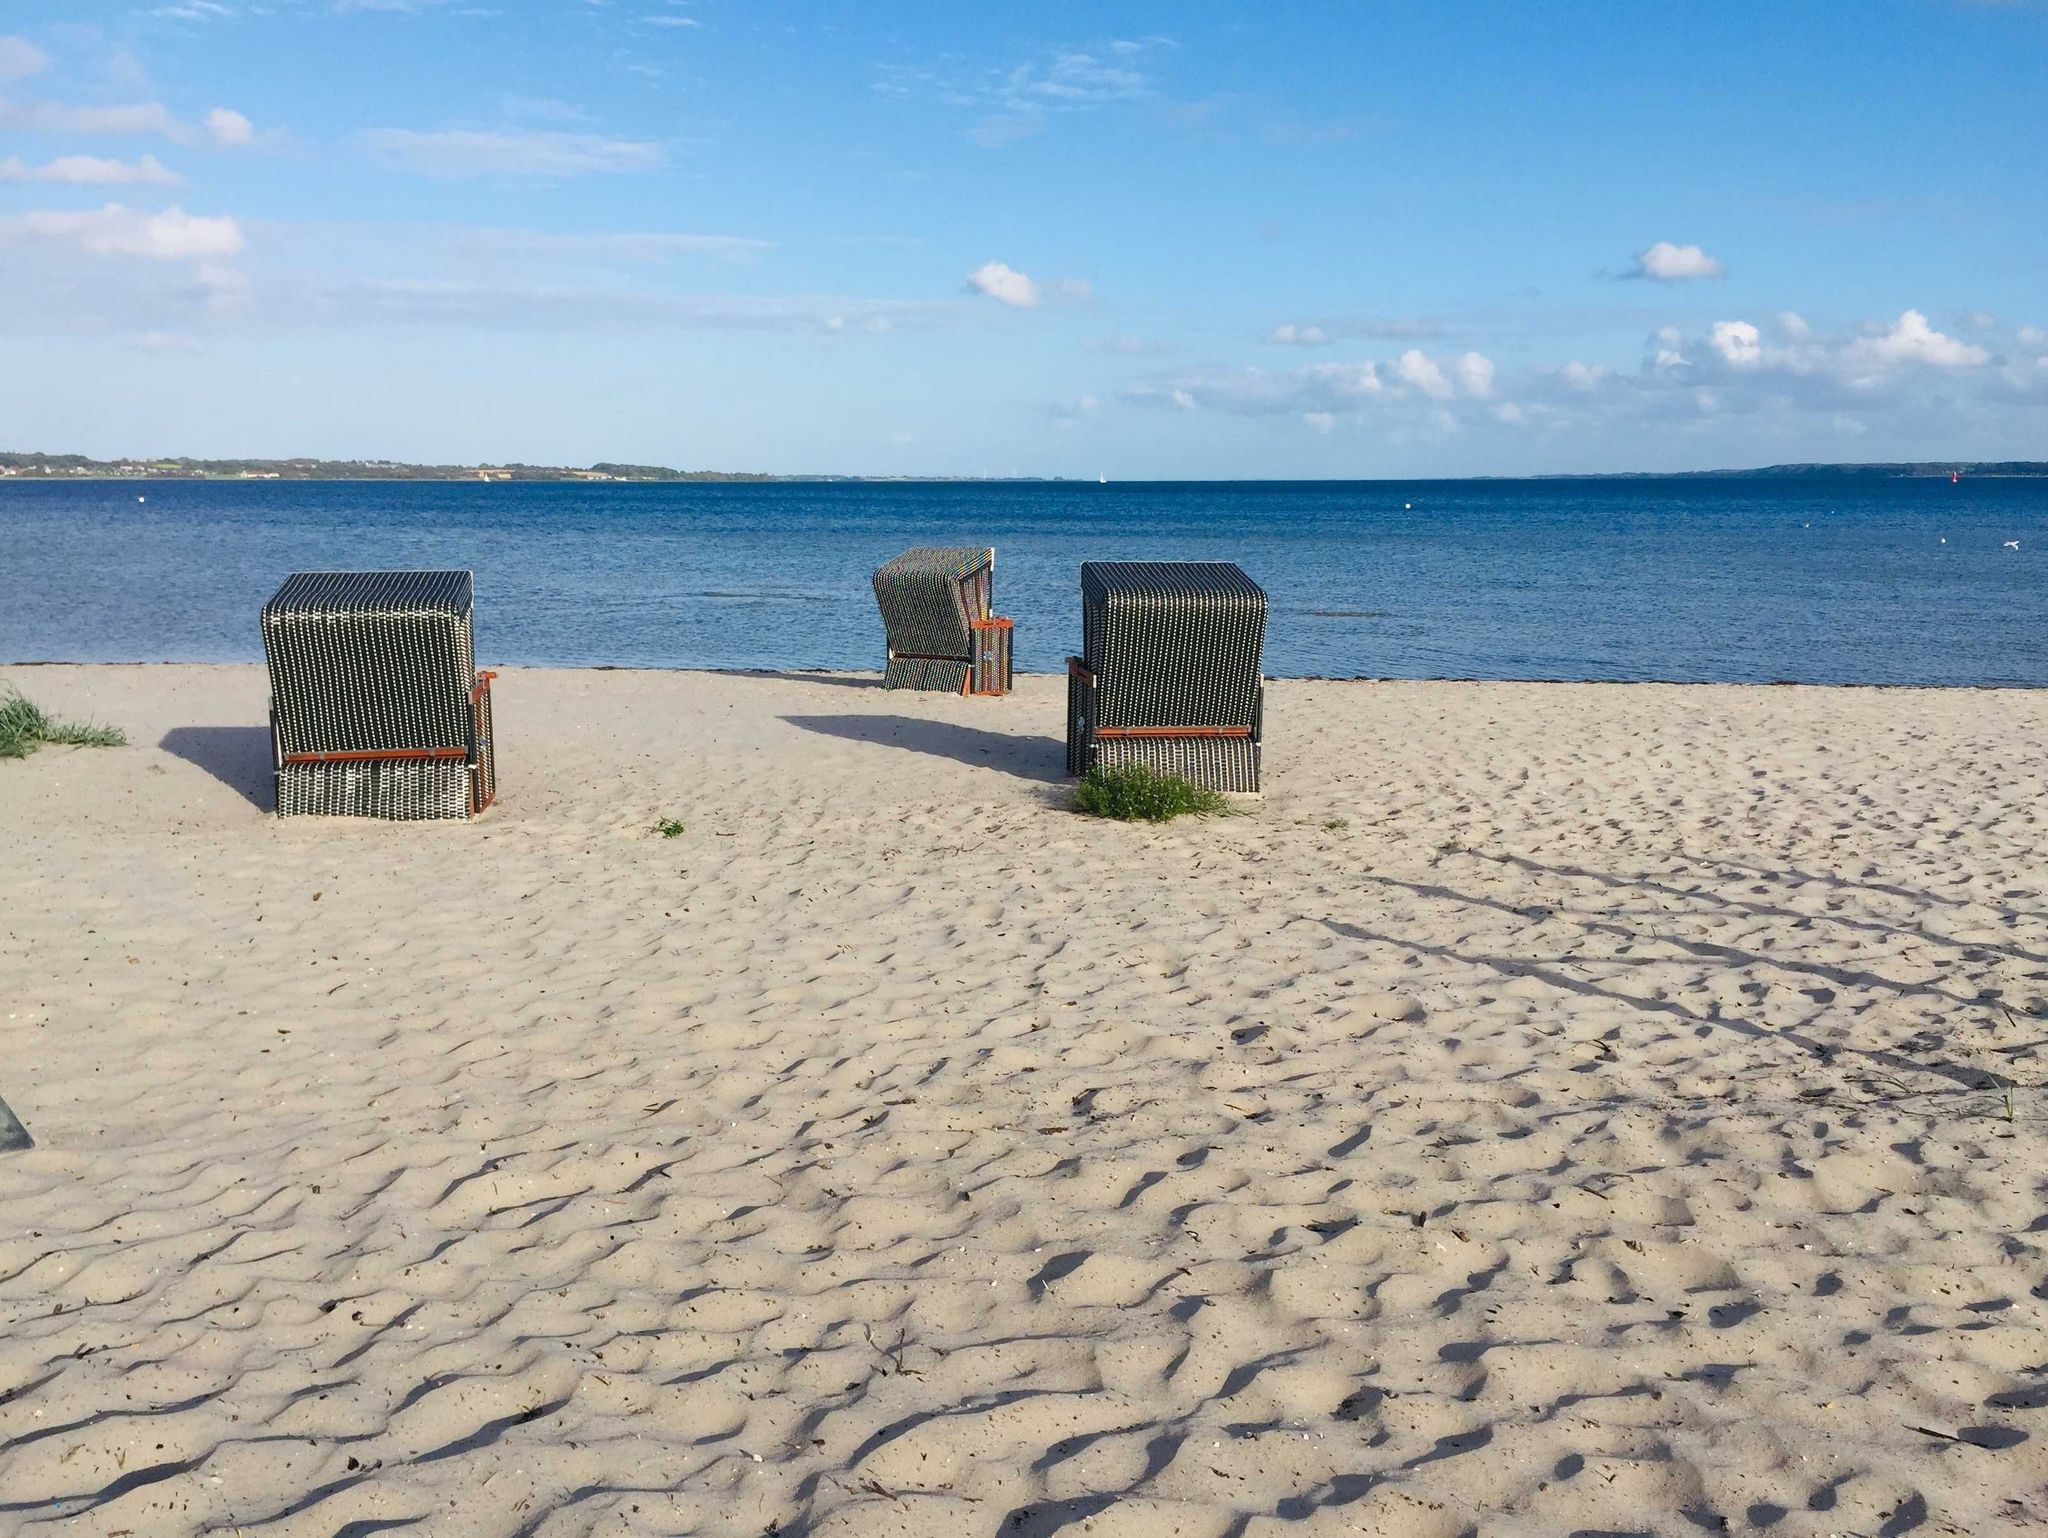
<point x="1551" y="1108"/>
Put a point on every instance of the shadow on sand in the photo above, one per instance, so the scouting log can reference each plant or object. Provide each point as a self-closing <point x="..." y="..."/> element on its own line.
<point x="1041" y="759"/>
<point x="237" y="756"/>
<point x="803" y="676"/>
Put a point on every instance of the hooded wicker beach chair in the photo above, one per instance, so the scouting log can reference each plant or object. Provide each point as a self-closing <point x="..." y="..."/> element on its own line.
<point x="1168" y="674"/>
<point x="376" y="706"/>
<point x="935" y="608"/>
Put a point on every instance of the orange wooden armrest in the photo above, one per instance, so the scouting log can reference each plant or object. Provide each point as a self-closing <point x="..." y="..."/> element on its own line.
<point x="1173" y="731"/>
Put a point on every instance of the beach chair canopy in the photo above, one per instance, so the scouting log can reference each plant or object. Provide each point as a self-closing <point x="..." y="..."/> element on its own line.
<point x="935" y="604"/>
<point x="377" y="708"/>
<point x="1169" y="671"/>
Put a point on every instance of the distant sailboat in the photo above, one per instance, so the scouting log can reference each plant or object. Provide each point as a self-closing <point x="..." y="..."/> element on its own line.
<point x="1102" y="480"/>
<point x="1955" y="477"/>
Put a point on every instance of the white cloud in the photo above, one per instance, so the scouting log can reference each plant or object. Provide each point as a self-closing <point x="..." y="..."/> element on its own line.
<point x="229" y="128"/>
<point x="671" y="21"/>
<point x="2033" y="336"/>
<point x="1738" y="342"/>
<point x="1667" y="263"/>
<point x="1417" y="368"/>
<point x="1287" y="334"/>
<point x="165" y="236"/>
<point x="92" y="171"/>
<point x="1080" y="290"/>
<point x="460" y="152"/>
<point x="1475" y="375"/>
<point x="1005" y="284"/>
<point x="1756" y="388"/>
<point x="1910" y="339"/>
<point x="19" y="58"/>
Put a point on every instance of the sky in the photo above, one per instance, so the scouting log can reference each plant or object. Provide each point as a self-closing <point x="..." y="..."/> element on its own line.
<point x="1361" y="238"/>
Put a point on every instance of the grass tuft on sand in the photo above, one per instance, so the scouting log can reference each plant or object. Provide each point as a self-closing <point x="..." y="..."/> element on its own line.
<point x="24" y="728"/>
<point x="1135" y="793"/>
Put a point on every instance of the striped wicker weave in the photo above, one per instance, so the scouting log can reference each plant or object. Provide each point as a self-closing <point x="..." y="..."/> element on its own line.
<point x="935" y="610"/>
<point x="1168" y="674"/>
<point x="376" y="706"/>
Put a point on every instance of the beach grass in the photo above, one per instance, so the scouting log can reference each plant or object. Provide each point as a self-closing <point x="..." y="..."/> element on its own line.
<point x="24" y="728"/>
<point x="1136" y="793"/>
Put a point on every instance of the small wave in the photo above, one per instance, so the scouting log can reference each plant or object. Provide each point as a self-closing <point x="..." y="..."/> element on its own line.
<point x="764" y="596"/>
<point x="1347" y="613"/>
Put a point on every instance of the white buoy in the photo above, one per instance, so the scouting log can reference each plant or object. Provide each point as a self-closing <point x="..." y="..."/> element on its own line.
<point x="1408" y="507"/>
<point x="142" y="499"/>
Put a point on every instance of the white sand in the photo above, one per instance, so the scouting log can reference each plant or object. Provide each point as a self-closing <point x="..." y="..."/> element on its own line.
<point x="1551" y="1108"/>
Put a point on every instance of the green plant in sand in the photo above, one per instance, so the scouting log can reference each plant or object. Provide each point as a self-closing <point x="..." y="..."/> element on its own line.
<point x="1135" y="793"/>
<point x="668" y="827"/>
<point x="24" y="728"/>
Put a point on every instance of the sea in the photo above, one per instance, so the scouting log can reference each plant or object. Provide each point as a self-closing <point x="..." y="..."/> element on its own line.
<point x="1848" y="580"/>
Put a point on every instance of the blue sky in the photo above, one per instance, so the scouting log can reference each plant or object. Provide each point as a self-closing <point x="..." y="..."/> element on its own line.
<point x="1285" y="239"/>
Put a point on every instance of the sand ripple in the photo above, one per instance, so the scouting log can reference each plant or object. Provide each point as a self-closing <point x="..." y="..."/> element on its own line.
<point x="1559" y="1108"/>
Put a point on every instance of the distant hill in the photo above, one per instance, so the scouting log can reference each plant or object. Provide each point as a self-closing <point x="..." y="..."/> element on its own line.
<point x="68" y="466"/>
<point x="78" y="466"/>
<point x="1980" y="469"/>
<point x="40" y="466"/>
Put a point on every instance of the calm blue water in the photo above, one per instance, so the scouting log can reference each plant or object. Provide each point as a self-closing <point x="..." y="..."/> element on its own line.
<point x="1822" y="582"/>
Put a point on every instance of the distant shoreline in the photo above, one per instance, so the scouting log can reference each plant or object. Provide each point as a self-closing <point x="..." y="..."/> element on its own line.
<point x="78" y="467"/>
<point x="843" y="675"/>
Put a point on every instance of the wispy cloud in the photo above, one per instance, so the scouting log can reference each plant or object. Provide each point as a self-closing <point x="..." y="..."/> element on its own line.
<point x="19" y="58"/>
<point x="1129" y="346"/>
<point x="553" y="307"/>
<point x="223" y="126"/>
<point x="464" y="152"/>
<point x="92" y="171"/>
<point x="1018" y="102"/>
<point x="193" y="10"/>
<point x="542" y="109"/>
<point x="142" y="117"/>
<point x="1334" y="390"/>
<point x="637" y="246"/>
<point x="1668" y="263"/>
<point x="168" y="234"/>
<point x="1321" y="333"/>
<point x="164" y="341"/>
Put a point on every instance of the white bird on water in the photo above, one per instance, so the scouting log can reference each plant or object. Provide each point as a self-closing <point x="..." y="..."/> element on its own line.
<point x="2012" y="544"/>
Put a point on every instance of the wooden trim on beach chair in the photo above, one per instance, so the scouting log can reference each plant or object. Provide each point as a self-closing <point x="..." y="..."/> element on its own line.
<point x="1173" y="731"/>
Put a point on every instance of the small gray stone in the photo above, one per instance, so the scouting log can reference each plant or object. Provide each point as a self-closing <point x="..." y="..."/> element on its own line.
<point x="13" y="1135"/>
